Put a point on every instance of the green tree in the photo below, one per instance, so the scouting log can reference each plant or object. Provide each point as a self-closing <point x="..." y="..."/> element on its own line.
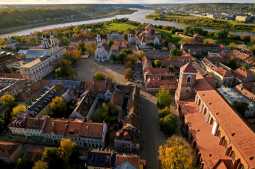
<point x="58" y="107"/>
<point x="176" y="153"/>
<point x="168" y="124"/>
<point x="99" y="76"/>
<point x="222" y="35"/>
<point x="20" y="108"/>
<point x="163" y="98"/>
<point x="40" y="165"/>
<point x="7" y="100"/>
<point x="156" y="63"/>
<point x="176" y="52"/>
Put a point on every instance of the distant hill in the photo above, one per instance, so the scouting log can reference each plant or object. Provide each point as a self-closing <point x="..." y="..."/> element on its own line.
<point x="17" y="17"/>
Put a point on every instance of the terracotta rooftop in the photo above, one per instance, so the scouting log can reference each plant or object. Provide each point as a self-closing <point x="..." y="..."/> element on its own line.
<point x="207" y="143"/>
<point x="65" y="127"/>
<point x="242" y="137"/>
<point x="170" y="84"/>
<point x="223" y="72"/>
<point x="153" y="70"/>
<point x="188" y="68"/>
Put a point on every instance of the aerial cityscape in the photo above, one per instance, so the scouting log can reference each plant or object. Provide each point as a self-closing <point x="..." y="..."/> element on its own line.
<point x="125" y="84"/>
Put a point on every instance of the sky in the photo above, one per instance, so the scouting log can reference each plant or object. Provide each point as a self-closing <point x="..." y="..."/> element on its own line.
<point x="119" y="1"/>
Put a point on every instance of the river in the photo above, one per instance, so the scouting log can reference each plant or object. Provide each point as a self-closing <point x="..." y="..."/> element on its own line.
<point x="138" y="16"/>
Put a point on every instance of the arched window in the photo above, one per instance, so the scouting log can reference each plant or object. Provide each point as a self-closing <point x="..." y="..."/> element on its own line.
<point x="188" y="80"/>
<point x="205" y="111"/>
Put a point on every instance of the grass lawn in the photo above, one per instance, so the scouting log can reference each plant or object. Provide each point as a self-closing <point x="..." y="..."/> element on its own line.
<point x="120" y="27"/>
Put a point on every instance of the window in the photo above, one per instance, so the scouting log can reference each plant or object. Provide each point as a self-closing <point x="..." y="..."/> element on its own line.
<point x="188" y="79"/>
<point x="211" y="121"/>
<point x="199" y="102"/>
<point x="205" y="111"/>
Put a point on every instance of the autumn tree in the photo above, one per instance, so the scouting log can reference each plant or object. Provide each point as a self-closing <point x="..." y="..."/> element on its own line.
<point x="72" y="55"/>
<point x="57" y="106"/>
<point x="40" y="165"/>
<point x="7" y="100"/>
<point x="176" y="153"/>
<point x="66" y="148"/>
<point x="20" y="108"/>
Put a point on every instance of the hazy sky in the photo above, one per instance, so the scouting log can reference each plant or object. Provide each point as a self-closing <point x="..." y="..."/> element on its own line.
<point x="121" y="1"/>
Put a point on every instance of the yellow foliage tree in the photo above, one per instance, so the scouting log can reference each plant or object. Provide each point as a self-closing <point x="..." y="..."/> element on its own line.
<point x="66" y="147"/>
<point x="7" y="99"/>
<point x="40" y="165"/>
<point x="21" y="108"/>
<point x="176" y="153"/>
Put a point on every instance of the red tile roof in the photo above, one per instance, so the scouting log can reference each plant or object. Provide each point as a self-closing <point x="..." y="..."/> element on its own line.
<point x="188" y="68"/>
<point x="153" y="70"/>
<point x="207" y="143"/>
<point x="242" y="137"/>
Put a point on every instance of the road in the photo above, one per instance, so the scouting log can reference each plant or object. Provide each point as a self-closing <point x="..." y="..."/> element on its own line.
<point x="152" y="137"/>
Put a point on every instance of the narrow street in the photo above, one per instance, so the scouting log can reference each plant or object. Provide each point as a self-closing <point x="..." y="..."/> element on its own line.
<point x="152" y="137"/>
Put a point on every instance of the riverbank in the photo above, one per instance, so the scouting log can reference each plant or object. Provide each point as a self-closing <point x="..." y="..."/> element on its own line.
<point x="37" y="22"/>
<point x="205" y="22"/>
<point x="138" y="16"/>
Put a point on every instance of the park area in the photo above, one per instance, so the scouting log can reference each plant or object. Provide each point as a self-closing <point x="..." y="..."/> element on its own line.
<point x="120" y="27"/>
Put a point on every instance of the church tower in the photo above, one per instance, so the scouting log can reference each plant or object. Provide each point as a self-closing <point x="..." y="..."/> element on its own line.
<point x="187" y="80"/>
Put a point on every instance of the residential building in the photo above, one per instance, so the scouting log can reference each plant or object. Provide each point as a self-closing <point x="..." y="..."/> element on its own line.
<point x="243" y="75"/>
<point x="84" y="134"/>
<point x="98" y="159"/>
<point x="247" y="90"/>
<point x="222" y="73"/>
<point x="220" y="138"/>
<point x="129" y="161"/>
<point x="9" y="151"/>
<point x="240" y="18"/>
<point x="201" y="49"/>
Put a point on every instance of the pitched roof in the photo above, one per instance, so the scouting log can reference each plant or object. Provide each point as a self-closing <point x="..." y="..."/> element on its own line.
<point x="207" y="143"/>
<point x="188" y="68"/>
<point x="158" y="70"/>
<point x="134" y="160"/>
<point x="242" y="137"/>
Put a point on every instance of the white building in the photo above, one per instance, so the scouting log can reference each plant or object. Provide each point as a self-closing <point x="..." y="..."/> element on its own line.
<point x="44" y="60"/>
<point x="101" y="55"/>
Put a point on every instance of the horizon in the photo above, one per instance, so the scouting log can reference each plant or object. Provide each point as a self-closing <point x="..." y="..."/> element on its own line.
<point x="123" y="2"/>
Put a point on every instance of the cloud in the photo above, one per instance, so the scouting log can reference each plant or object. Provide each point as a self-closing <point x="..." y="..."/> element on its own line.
<point x="118" y="1"/>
